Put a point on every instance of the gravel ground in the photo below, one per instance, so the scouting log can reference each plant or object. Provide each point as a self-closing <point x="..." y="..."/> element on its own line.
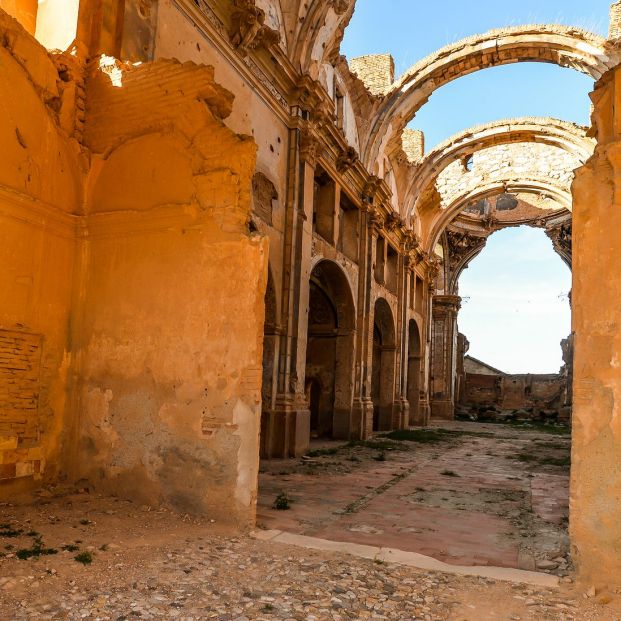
<point x="149" y="564"/>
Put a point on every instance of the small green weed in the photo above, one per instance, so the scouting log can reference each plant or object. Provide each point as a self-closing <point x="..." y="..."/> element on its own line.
<point x="8" y="531"/>
<point x="449" y="473"/>
<point x="557" y="430"/>
<point x="38" y="549"/>
<point x="378" y="445"/>
<point x="323" y="451"/>
<point x="526" y="457"/>
<point x="421" y="436"/>
<point x="282" y="502"/>
<point x="86" y="558"/>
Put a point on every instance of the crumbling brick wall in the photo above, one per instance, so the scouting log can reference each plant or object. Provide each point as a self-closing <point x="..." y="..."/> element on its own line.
<point x="377" y="71"/>
<point x="531" y="395"/>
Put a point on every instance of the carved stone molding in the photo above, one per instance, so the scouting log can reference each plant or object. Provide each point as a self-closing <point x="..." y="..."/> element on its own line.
<point x="306" y="92"/>
<point x="561" y="237"/>
<point x="370" y="189"/>
<point x="346" y="160"/>
<point x="312" y="97"/>
<point x="310" y="146"/>
<point x="446" y="305"/>
<point x="432" y="265"/>
<point x="412" y="240"/>
<point x="248" y="29"/>
<point x="461" y="246"/>
<point x="393" y="221"/>
<point x="376" y="221"/>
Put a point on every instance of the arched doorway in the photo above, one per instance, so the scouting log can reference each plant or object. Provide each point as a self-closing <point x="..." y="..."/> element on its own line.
<point x="414" y="372"/>
<point x="330" y="352"/>
<point x="383" y="371"/>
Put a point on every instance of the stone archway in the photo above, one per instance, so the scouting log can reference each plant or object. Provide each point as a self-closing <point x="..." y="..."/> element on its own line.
<point x="417" y="415"/>
<point x="383" y="369"/>
<point x="563" y="141"/>
<point x="330" y="352"/>
<point x="560" y="45"/>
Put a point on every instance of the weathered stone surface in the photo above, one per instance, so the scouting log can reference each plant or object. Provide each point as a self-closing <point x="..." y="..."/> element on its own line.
<point x="138" y="202"/>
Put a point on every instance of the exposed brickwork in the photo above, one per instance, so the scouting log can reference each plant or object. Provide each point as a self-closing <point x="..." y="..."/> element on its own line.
<point x="413" y="144"/>
<point x="531" y="393"/>
<point x="150" y="93"/>
<point x="614" y="31"/>
<point x="20" y="356"/>
<point x="377" y="71"/>
<point x="521" y="163"/>
<point x="20" y="359"/>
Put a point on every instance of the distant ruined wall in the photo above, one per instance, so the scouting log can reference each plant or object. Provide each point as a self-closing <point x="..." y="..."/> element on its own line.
<point x="538" y="396"/>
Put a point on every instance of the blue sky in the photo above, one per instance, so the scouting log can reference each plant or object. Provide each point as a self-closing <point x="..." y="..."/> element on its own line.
<point x="515" y="321"/>
<point x="518" y="282"/>
<point x="412" y="29"/>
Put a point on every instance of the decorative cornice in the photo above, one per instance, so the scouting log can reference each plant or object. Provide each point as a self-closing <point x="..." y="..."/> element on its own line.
<point x="370" y="189"/>
<point x="445" y="304"/>
<point x="346" y="160"/>
<point x="561" y="237"/>
<point x="376" y="221"/>
<point x="248" y="29"/>
<point x="310" y="146"/>
<point x="393" y="221"/>
<point x="461" y="246"/>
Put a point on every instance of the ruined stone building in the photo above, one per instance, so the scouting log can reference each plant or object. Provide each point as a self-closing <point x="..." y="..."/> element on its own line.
<point x="219" y="239"/>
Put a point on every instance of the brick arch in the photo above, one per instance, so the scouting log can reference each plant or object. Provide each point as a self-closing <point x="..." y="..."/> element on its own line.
<point x="568" y="137"/>
<point x="534" y="185"/>
<point x="560" y="45"/>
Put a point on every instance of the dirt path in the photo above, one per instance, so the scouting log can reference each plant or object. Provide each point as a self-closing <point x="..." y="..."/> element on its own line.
<point x="148" y="564"/>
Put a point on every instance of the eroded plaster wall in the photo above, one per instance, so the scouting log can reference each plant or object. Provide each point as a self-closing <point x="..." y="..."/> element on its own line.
<point x="39" y="194"/>
<point x="173" y="295"/>
<point x="595" y="516"/>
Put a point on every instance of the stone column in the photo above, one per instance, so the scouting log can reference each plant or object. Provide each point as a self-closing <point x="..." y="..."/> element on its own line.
<point x="362" y="412"/>
<point x="425" y="397"/>
<point x="443" y="355"/>
<point x="401" y="410"/>
<point x="291" y="418"/>
<point x="595" y="499"/>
